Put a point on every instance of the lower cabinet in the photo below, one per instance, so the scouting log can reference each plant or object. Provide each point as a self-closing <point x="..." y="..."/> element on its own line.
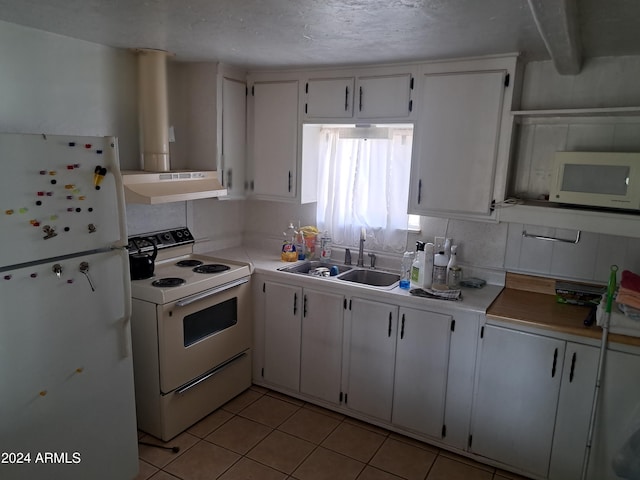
<point x="282" y="328"/>
<point x="321" y="344"/>
<point x="372" y="348"/>
<point x="574" y="411"/>
<point x="303" y="340"/>
<point x="398" y="365"/>
<point x="422" y="359"/>
<point x="615" y="451"/>
<point x="533" y="394"/>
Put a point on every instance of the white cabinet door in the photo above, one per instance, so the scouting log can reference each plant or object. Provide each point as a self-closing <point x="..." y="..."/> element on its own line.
<point x="422" y="360"/>
<point x="282" y="327"/>
<point x="574" y="411"/>
<point x="372" y="350"/>
<point x="275" y="139"/>
<point x="385" y="96"/>
<point x="321" y="351"/>
<point x="516" y="398"/>
<point x="457" y="141"/>
<point x="615" y="451"/>
<point x="234" y="140"/>
<point x="329" y="98"/>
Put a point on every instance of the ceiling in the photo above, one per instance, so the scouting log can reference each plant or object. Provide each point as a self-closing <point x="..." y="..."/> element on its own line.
<point x="297" y="33"/>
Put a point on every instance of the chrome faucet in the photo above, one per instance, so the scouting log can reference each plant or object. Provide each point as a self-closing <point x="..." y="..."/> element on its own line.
<point x="363" y="233"/>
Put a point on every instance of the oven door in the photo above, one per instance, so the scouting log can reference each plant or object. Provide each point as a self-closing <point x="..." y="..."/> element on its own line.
<point x="199" y="333"/>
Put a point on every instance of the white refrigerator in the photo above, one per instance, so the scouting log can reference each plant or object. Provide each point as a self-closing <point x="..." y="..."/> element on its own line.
<point x="67" y="408"/>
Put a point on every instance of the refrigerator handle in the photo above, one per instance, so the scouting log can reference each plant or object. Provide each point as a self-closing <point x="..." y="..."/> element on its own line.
<point x="122" y="215"/>
<point x="125" y="341"/>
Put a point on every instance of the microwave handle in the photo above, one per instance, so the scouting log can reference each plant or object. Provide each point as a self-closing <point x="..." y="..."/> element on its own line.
<point x="213" y="291"/>
<point x="552" y="239"/>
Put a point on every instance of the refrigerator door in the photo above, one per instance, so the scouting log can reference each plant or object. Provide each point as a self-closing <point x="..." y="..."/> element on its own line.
<point x="66" y="371"/>
<point x="58" y="195"/>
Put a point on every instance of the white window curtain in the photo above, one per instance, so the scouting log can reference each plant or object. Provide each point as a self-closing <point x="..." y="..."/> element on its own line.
<point x="364" y="182"/>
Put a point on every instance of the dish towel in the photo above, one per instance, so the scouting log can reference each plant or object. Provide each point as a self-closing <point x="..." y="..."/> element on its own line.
<point x="453" y="294"/>
<point x="629" y="291"/>
<point x="619" y="323"/>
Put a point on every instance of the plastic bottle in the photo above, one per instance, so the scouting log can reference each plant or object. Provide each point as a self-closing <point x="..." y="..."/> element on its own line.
<point x="440" y="269"/>
<point x="454" y="272"/>
<point x="299" y="243"/>
<point x="405" y="271"/>
<point x="325" y="247"/>
<point x="428" y="265"/>
<point x="417" y="268"/>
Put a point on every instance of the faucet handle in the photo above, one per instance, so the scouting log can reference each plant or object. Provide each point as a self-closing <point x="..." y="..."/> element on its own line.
<point x="347" y="256"/>
<point x="372" y="259"/>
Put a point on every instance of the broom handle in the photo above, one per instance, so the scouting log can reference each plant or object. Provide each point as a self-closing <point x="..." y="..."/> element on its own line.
<point x="611" y="289"/>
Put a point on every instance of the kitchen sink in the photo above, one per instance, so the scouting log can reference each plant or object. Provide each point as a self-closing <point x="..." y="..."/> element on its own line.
<point x="375" y="278"/>
<point x="310" y="266"/>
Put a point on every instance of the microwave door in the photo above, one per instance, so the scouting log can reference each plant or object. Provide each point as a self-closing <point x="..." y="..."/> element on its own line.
<point x="597" y="179"/>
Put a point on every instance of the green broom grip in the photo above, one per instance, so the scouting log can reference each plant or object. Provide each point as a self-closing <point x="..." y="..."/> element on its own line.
<point x="611" y="287"/>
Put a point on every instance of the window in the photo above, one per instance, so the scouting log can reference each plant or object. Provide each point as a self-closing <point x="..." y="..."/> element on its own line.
<point x="363" y="181"/>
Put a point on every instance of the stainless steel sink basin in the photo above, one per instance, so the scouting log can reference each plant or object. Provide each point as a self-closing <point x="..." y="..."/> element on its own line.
<point x="309" y="266"/>
<point x="375" y="278"/>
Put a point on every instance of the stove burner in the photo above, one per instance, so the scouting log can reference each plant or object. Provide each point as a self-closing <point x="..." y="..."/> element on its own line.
<point x="189" y="263"/>
<point x="168" y="282"/>
<point x="211" y="268"/>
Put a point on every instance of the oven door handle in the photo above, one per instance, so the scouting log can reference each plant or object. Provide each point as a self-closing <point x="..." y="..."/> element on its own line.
<point x="209" y="374"/>
<point x="207" y="293"/>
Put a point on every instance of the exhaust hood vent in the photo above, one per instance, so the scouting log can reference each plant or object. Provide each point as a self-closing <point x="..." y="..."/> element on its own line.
<point x="157" y="183"/>
<point x="165" y="187"/>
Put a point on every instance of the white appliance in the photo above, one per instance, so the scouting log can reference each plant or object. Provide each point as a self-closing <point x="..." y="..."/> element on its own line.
<point x="598" y="179"/>
<point x="67" y="402"/>
<point x="191" y="330"/>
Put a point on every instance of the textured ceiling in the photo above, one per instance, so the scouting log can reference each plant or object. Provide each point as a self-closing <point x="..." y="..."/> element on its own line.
<point x="288" y="33"/>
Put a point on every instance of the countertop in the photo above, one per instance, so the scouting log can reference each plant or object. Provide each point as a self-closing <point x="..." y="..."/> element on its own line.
<point x="537" y="307"/>
<point x="473" y="299"/>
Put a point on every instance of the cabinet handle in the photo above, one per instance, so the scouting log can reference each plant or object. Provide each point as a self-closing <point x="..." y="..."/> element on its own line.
<point x="295" y="303"/>
<point x="304" y="306"/>
<point x="402" y="328"/>
<point x="229" y="179"/>
<point x="555" y="361"/>
<point x="346" y="98"/>
<point x="289" y="180"/>
<point x="419" y="191"/>
<point x="390" y="318"/>
<point x="573" y="367"/>
<point x="360" y="98"/>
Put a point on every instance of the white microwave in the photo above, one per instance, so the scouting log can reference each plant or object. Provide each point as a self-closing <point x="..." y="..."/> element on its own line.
<point x="598" y="179"/>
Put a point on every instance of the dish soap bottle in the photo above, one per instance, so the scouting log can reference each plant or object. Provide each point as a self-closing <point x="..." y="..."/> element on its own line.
<point x="405" y="271"/>
<point x="325" y="247"/>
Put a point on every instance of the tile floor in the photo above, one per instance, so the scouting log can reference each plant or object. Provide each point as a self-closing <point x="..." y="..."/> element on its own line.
<point x="265" y="435"/>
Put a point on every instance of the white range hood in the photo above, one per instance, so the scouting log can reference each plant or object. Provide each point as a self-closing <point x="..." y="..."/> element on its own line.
<point x="157" y="183"/>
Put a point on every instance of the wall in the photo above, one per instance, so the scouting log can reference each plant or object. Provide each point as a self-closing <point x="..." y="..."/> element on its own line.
<point x="57" y="85"/>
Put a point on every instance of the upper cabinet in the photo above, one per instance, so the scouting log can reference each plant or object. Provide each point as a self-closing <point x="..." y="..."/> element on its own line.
<point x="274" y="139"/>
<point x="329" y="98"/>
<point x="385" y="96"/>
<point x="232" y="127"/>
<point x="366" y="95"/>
<point x="462" y="138"/>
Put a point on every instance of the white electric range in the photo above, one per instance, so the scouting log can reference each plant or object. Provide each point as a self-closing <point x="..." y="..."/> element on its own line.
<point x="191" y="333"/>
